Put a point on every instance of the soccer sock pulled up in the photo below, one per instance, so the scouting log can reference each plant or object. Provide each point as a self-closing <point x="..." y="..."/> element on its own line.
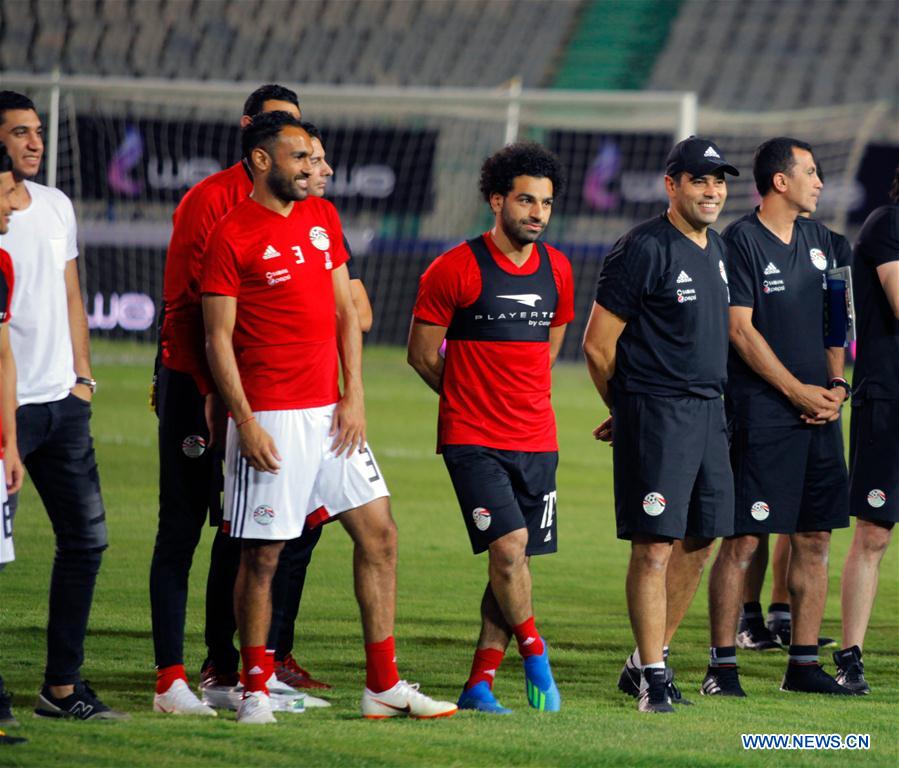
<point x="168" y="675"/>
<point x="529" y="641"/>
<point x="380" y="665"/>
<point x="255" y="672"/>
<point x="484" y="666"/>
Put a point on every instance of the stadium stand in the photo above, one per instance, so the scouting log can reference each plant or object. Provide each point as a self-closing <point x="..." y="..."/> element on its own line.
<point x="362" y="42"/>
<point x="764" y="55"/>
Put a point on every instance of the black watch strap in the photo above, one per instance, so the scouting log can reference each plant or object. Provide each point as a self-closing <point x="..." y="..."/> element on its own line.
<point x="91" y="384"/>
<point x="838" y="382"/>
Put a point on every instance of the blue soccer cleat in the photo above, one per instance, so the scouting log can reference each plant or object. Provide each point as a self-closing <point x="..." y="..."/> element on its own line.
<point x="481" y="699"/>
<point x="540" y="686"/>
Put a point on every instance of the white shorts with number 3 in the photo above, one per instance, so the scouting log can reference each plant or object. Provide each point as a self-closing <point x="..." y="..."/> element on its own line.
<point x="311" y="481"/>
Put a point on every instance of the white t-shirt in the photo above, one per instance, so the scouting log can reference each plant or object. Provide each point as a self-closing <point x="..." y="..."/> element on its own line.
<point x="41" y="239"/>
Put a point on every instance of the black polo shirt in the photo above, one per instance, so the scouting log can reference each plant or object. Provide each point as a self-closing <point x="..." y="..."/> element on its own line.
<point x="784" y="284"/>
<point x="876" y="372"/>
<point x="673" y="295"/>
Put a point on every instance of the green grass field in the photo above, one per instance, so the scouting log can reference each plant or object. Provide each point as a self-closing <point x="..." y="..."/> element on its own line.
<point x="579" y="604"/>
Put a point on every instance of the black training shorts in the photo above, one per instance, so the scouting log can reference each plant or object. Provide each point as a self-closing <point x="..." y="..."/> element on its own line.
<point x="874" y="461"/>
<point x="504" y="491"/>
<point x="672" y="474"/>
<point x="789" y="479"/>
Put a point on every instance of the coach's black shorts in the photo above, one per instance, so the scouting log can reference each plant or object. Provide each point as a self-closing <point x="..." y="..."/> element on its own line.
<point x="874" y="460"/>
<point x="672" y="475"/>
<point x="789" y="479"/>
<point x="504" y="491"/>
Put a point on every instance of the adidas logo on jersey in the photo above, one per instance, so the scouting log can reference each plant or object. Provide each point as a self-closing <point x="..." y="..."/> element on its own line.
<point x="270" y="253"/>
<point x="683" y="277"/>
<point x="710" y="152"/>
<point x="771" y="269"/>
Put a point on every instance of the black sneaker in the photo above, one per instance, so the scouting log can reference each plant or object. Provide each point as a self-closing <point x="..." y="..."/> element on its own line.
<point x="780" y="629"/>
<point x="674" y="694"/>
<point x="755" y="636"/>
<point x="850" y="670"/>
<point x="722" y="681"/>
<point x="7" y="718"/>
<point x="654" y="698"/>
<point x="811" y="678"/>
<point x="82" y="704"/>
<point x="629" y="679"/>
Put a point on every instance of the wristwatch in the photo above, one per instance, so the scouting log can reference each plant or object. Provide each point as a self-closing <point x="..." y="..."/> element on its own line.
<point x="91" y="384"/>
<point x="840" y="382"/>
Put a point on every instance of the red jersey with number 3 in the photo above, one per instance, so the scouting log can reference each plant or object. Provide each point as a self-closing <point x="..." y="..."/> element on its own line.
<point x="496" y="380"/>
<point x="7" y="278"/>
<point x="279" y="269"/>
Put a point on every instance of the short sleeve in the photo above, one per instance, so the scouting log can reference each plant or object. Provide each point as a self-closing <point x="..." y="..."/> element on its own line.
<point x="626" y="276"/>
<point x="351" y="265"/>
<point x="842" y="251"/>
<point x="71" y="228"/>
<point x="882" y="243"/>
<point x="565" y="288"/>
<point x="442" y="289"/>
<point x="221" y="266"/>
<point x="740" y="281"/>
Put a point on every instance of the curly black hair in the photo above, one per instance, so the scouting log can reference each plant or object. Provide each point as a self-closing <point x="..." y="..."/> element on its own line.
<point x="526" y="158"/>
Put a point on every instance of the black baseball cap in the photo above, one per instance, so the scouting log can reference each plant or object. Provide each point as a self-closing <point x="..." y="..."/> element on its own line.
<point x="697" y="156"/>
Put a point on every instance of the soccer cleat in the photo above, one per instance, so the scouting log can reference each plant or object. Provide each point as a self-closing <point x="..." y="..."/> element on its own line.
<point x="481" y="699"/>
<point x="284" y="698"/>
<point x="674" y="694"/>
<point x="404" y="699"/>
<point x="629" y="679"/>
<point x="7" y="718"/>
<point x="81" y="704"/>
<point x="722" y="681"/>
<point x="654" y="697"/>
<point x="755" y="636"/>
<point x="850" y="670"/>
<point x="179" y="699"/>
<point x="811" y="678"/>
<point x="220" y="690"/>
<point x="781" y="629"/>
<point x="825" y="642"/>
<point x="539" y="685"/>
<point x="288" y="671"/>
<point x="255" y="709"/>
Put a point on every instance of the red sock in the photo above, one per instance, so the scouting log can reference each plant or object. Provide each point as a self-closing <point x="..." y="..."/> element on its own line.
<point x="269" y="662"/>
<point x="529" y="642"/>
<point x="254" y="673"/>
<point x="168" y="675"/>
<point x="484" y="666"/>
<point x="380" y="666"/>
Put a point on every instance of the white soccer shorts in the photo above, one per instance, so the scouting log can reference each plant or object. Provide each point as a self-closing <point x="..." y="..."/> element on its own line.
<point x="311" y="481"/>
<point x="7" y="551"/>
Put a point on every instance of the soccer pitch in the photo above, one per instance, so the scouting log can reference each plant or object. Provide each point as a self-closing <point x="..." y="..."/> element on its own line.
<point x="579" y="605"/>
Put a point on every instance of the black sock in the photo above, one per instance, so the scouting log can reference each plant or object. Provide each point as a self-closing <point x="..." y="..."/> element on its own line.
<point x="723" y="656"/>
<point x="803" y="654"/>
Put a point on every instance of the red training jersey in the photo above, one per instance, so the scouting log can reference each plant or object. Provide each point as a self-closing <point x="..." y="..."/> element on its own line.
<point x="494" y="393"/>
<point x="279" y="270"/>
<point x="205" y="204"/>
<point x="7" y="279"/>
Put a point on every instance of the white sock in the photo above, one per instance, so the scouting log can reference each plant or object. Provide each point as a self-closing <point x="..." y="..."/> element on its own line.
<point x="654" y="665"/>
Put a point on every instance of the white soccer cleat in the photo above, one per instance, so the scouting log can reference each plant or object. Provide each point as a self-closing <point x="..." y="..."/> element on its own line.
<point x="222" y="696"/>
<point x="255" y="709"/>
<point x="404" y="699"/>
<point x="314" y="702"/>
<point x="179" y="699"/>
<point x="284" y="698"/>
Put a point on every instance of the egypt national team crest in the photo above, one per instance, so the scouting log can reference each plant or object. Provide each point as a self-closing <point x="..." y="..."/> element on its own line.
<point x="818" y="258"/>
<point x="877" y="498"/>
<point x="482" y="518"/>
<point x="193" y="446"/>
<point x="264" y="514"/>
<point x="318" y="236"/>
<point x="760" y="511"/>
<point x="654" y="504"/>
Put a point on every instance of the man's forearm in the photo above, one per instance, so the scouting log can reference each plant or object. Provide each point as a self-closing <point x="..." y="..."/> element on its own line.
<point x="78" y="330"/>
<point x="601" y="368"/>
<point x="836" y="362"/>
<point x="8" y="398"/>
<point x="220" y="353"/>
<point x="759" y="356"/>
<point x="349" y="342"/>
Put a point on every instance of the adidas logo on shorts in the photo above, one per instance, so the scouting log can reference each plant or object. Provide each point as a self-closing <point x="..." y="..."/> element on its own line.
<point x="771" y="269"/>
<point x="683" y="277"/>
